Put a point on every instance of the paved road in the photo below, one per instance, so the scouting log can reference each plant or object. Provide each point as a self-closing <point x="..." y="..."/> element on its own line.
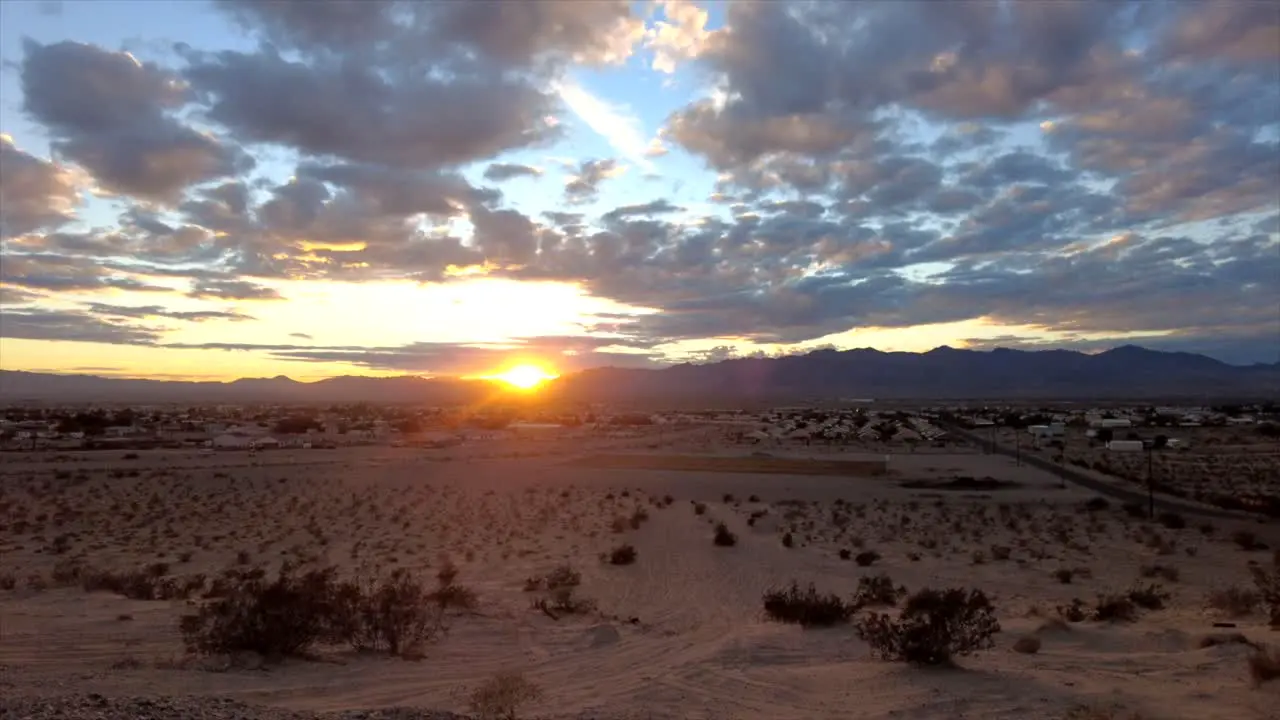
<point x="1122" y="494"/>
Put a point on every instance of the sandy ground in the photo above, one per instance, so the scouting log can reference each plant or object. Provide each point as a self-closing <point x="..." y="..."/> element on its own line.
<point x="679" y="634"/>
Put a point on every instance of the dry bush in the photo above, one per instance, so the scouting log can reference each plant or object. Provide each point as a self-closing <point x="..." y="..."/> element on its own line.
<point x="933" y="627"/>
<point x="723" y="537"/>
<point x="622" y="555"/>
<point x="1027" y="645"/>
<point x="1172" y="520"/>
<point x="699" y="508"/>
<point x="788" y="540"/>
<point x="284" y="617"/>
<point x="1099" y="712"/>
<point x="1247" y="540"/>
<point x="877" y="590"/>
<point x="1064" y="575"/>
<point x="501" y="696"/>
<point x="1114" y="608"/>
<point x="1267" y="581"/>
<point x="1150" y="597"/>
<point x="1233" y="601"/>
<point x="866" y="558"/>
<point x="8" y="581"/>
<point x="1164" y="572"/>
<point x="1264" y="665"/>
<point x="807" y="607"/>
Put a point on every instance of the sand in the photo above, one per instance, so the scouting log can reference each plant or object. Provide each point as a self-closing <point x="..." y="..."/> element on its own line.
<point x="678" y="634"/>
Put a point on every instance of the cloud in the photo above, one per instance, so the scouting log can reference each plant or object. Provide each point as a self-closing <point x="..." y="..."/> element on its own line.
<point x="1084" y="171"/>
<point x="35" y="194"/>
<point x="681" y="36"/>
<point x="114" y="116"/>
<point x="36" y="324"/>
<point x="149" y="311"/>
<point x="615" y="125"/>
<point x="585" y="183"/>
<point x="497" y="172"/>
<point x="232" y="290"/>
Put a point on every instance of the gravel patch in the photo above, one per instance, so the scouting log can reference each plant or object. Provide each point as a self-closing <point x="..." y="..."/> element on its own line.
<point x="97" y="707"/>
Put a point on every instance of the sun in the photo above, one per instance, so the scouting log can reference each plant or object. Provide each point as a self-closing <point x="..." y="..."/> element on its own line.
<point x="524" y="377"/>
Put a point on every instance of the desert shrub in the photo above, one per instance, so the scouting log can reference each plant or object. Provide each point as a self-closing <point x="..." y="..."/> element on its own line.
<point x="1267" y="581"/>
<point x="699" y="508"/>
<point x="806" y="607"/>
<point x="788" y="540"/>
<point x="283" y="617"/>
<point x="1001" y="552"/>
<point x="563" y="601"/>
<point x="1075" y="612"/>
<point x="728" y="498"/>
<point x="1206" y="528"/>
<point x="1134" y="510"/>
<point x="619" y="525"/>
<point x="1247" y="540"/>
<point x="866" y="558"/>
<point x="622" y="555"/>
<point x="845" y="553"/>
<point x="638" y="518"/>
<point x="933" y="627"/>
<point x="754" y="499"/>
<point x="1169" y="574"/>
<point x="1027" y="645"/>
<point x="1095" y="504"/>
<point x="135" y="585"/>
<point x="1114" y="608"/>
<point x="1233" y="601"/>
<point x="877" y="590"/>
<point x="501" y="696"/>
<point x="8" y="581"/>
<point x="562" y="577"/>
<point x="1172" y="520"/>
<point x="724" y="537"/>
<point x="1100" y="712"/>
<point x="1064" y="575"/>
<point x="286" y="616"/>
<point x="1264" y="665"/>
<point x="1151" y="597"/>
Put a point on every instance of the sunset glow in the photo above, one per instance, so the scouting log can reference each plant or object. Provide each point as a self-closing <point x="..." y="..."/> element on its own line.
<point x="524" y="377"/>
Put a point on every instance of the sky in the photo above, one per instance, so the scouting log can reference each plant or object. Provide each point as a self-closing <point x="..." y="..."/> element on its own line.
<point x="212" y="190"/>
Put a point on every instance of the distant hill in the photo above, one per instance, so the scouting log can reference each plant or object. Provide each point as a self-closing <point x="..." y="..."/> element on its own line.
<point x="16" y="386"/>
<point x="945" y="373"/>
<point x="1128" y="372"/>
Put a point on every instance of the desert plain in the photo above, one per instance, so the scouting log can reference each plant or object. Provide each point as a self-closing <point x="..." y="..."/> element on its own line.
<point x="678" y="632"/>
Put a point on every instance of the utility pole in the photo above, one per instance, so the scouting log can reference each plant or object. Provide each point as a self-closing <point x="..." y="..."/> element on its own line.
<point x="1151" y="487"/>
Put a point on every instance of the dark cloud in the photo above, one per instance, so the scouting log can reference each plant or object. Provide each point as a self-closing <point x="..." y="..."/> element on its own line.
<point x="115" y="116"/>
<point x="232" y="290"/>
<point x="656" y="207"/>
<point x="1087" y="169"/>
<point x="10" y="295"/>
<point x="157" y="311"/>
<point x="567" y="353"/>
<point x="585" y="182"/>
<point x="57" y="273"/>
<point x="498" y="172"/>
<point x="34" y="194"/>
<point x="36" y="324"/>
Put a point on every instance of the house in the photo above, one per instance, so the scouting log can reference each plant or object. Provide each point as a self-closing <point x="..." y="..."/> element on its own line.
<point x="229" y="441"/>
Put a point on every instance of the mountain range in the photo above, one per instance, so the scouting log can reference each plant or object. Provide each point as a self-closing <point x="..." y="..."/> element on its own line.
<point x="945" y="373"/>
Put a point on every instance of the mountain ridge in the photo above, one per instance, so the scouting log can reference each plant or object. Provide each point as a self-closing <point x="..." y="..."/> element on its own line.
<point x="1127" y="371"/>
